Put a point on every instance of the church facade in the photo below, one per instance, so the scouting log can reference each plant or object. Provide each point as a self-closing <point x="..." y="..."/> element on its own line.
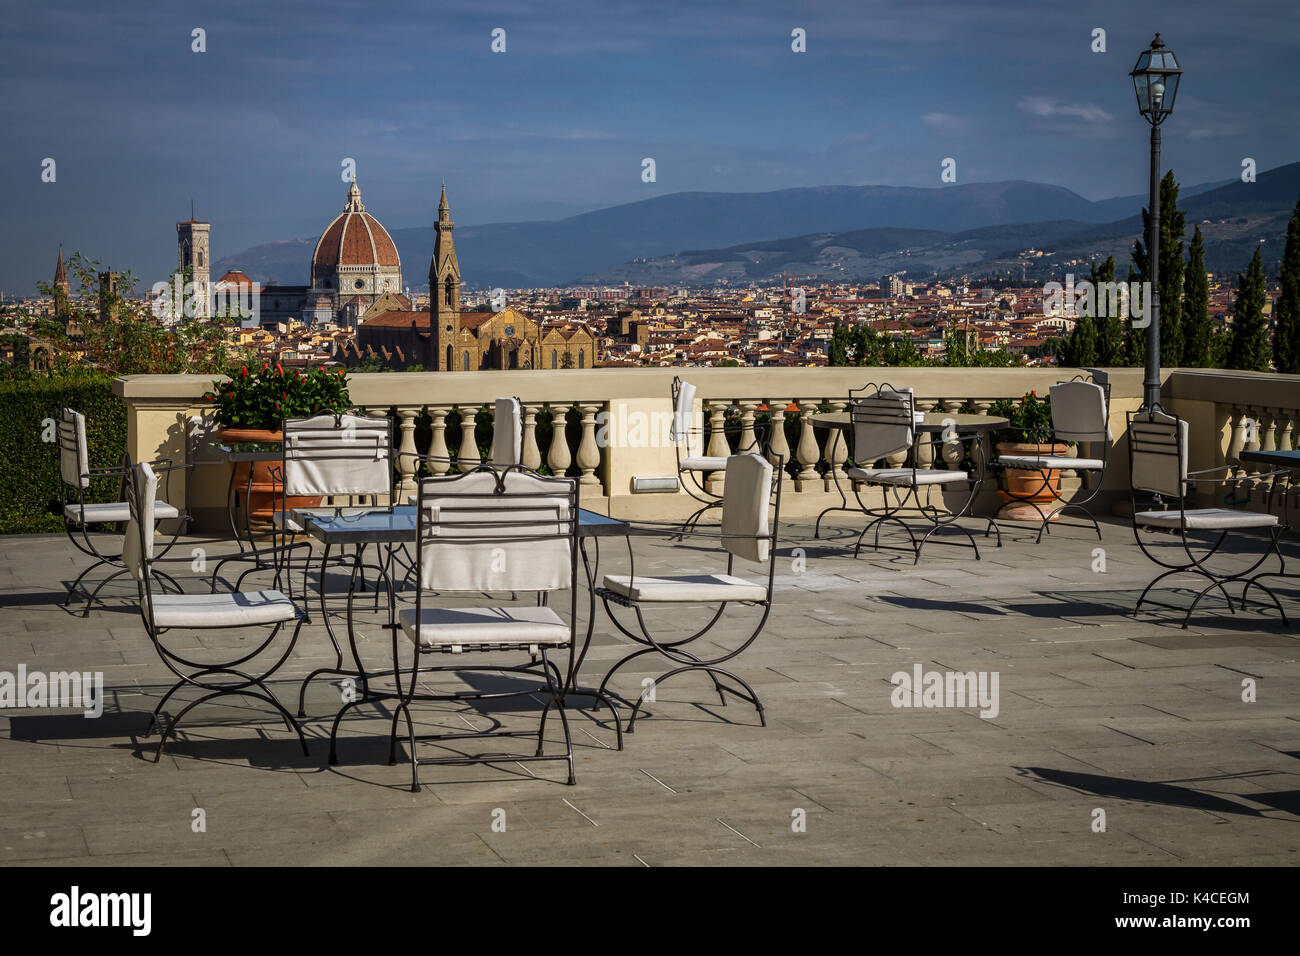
<point x="449" y="339"/>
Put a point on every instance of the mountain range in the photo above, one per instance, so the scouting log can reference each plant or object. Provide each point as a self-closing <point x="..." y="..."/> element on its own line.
<point x="827" y="232"/>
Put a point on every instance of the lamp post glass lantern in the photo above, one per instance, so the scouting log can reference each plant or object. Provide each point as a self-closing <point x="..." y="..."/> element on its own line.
<point x="1155" y="81"/>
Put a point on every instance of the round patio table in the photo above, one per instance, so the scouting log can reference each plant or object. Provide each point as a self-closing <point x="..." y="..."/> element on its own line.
<point x="933" y="423"/>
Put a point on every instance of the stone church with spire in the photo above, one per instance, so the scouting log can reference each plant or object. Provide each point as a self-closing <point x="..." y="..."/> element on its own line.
<point x="448" y="338"/>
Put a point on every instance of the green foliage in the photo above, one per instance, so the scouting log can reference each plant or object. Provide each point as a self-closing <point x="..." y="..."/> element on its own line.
<point x="1110" y="328"/>
<point x="121" y="336"/>
<point x="266" y="397"/>
<point x="1030" y="417"/>
<point x="1135" y="340"/>
<point x="1286" y="336"/>
<point x="1197" y="330"/>
<point x="1173" y="226"/>
<point x="861" y="345"/>
<point x="1248" y="349"/>
<point x="29" y="468"/>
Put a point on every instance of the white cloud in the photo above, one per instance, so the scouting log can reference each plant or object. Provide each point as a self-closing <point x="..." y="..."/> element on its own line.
<point x="1051" y="107"/>
<point x="945" y="122"/>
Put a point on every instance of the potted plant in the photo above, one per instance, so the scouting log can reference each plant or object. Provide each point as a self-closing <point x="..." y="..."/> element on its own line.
<point x="252" y="407"/>
<point x="1029" y="434"/>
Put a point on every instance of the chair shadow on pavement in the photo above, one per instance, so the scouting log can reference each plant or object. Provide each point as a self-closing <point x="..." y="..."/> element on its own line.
<point x="1172" y="793"/>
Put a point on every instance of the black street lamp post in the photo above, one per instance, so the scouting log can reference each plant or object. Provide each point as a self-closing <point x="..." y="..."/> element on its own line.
<point x="1155" y="80"/>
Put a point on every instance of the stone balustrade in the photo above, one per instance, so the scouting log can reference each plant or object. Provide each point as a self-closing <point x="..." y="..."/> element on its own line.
<point x="616" y="423"/>
<point x="1240" y="411"/>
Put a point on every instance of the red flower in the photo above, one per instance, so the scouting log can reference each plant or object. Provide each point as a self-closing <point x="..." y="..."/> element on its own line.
<point x="279" y="368"/>
<point x="243" y="371"/>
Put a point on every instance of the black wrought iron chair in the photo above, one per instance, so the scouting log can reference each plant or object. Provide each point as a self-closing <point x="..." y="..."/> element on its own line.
<point x="1080" y="413"/>
<point x="1158" y="474"/>
<point x="81" y="515"/>
<point x="162" y="613"/>
<point x="883" y="423"/>
<point x="752" y="485"/>
<point x="492" y="531"/>
<point x="346" y="460"/>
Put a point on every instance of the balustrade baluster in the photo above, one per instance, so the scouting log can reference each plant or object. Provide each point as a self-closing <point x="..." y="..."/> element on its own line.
<point x="557" y="456"/>
<point x="467" y="455"/>
<point x="439" y="457"/>
<point x="588" y="450"/>
<point x="530" y="457"/>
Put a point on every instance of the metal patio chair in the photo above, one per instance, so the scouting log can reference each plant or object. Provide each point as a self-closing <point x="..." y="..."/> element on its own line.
<point x="752" y="485"/>
<point x="162" y="613"/>
<point x="1158" y="474"/>
<point x="79" y="515"/>
<point x="1080" y="413"/>
<point x="496" y="530"/>
<point x="347" y="460"/>
<point x="693" y="468"/>
<point x="883" y="424"/>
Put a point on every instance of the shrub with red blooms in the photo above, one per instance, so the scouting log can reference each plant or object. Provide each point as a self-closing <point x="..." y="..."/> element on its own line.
<point x="266" y="398"/>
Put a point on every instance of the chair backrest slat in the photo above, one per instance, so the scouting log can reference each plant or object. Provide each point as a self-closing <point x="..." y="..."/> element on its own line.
<point x="883" y="424"/>
<point x="746" y="532"/>
<point x="1157" y="452"/>
<point x="1079" y="411"/>
<point x="338" y="455"/>
<point x="683" y="416"/>
<point x="495" y="530"/>
<point x="74" y="457"/>
<point x="507" y="433"/>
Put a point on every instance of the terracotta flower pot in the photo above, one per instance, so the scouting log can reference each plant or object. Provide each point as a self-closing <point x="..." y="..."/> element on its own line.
<point x="264" y="493"/>
<point x="1024" y="486"/>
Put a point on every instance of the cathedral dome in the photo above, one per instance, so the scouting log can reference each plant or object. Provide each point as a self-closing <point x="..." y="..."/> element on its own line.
<point x="356" y="253"/>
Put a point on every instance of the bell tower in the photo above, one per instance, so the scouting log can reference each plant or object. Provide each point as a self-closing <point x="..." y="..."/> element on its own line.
<point x="192" y="254"/>
<point x="444" y="291"/>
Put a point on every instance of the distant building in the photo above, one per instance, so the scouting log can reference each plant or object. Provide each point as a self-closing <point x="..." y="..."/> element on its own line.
<point x="354" y="264"/>
<point x="447" y="339"/>
<point x="192" y="251"/>
<point x="891" y="286"/>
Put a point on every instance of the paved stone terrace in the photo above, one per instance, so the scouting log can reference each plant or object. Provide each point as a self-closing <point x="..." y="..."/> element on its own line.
<point x="1138" y="718"/>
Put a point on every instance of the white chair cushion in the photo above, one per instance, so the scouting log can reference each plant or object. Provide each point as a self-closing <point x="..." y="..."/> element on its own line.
<point x="692" y="588"/>
<point x="222" y="610"/>
<point x="1038" y="462"/>
<point x="110" y="512"/>
<point x="293" y="524"/>
<point x="704" y="463"/>
<point x="1206" y="519"/>
<point x="903" y="476"/>
<point x="457" y="627"/>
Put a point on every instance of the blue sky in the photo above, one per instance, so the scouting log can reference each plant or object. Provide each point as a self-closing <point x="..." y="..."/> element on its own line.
<point x="255" y="128"/>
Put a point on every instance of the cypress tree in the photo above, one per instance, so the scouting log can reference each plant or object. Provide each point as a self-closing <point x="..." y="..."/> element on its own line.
<point x="1248" y="349"/>
<point x="1110" y="330"/>
<point x="1286" y="335"/>
<point x="1081" y="346"/>
<point x="1135" y="340"/>
<point x="1196" y="308"/>
<point x="1173" y="226"/>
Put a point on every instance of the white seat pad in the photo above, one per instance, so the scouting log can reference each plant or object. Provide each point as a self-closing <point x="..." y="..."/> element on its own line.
<point x="1206" y="519"/>
<point x="294" y="524"/>
<point x="222" y="610"/>
<point x="704" y="463"/>
<point x="692" y="588"/>
<point x="110" y="512"/>
<point x="472" y="626"/>
<point x="1038" y="462"/>
<point x="903" y="476"/>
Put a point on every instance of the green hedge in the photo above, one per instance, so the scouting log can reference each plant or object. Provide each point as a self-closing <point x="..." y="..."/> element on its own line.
<point x="29" y="470"/>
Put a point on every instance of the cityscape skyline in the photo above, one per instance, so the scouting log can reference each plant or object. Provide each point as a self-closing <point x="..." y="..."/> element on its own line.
<point x="256" y="126"/>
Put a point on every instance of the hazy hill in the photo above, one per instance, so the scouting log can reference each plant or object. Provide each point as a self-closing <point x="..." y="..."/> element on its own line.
<point x="601" y="245"/>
